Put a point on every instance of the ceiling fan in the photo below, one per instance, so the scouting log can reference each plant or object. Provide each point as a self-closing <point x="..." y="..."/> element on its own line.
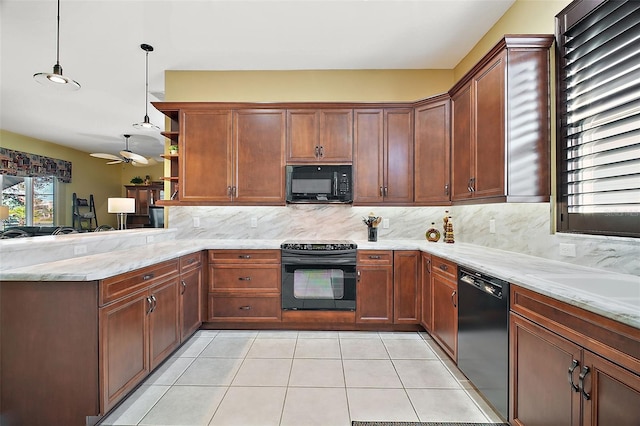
<point x="126" y="156"/>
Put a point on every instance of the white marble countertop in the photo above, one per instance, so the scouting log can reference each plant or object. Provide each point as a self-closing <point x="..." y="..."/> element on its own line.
<point x="616" y="296"/>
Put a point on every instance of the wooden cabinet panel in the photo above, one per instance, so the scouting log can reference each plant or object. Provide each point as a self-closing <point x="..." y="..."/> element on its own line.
<point x="432" y="152"/>
<point x="124" y="347"/>
<point x="122" y="285"/>
<point x="540" y="361"/>
<point x="462" y="148"/>
<point x="206" y="156"/>
<point x="191" y="301"/>
<point x="444" y="289"/>
<point x="164" y="321"/>
<point x="611" y="394"/>
<point x="319" y="136"/>
<point x="259" y="143"/>
<point x="426" y="317"/>
<point x="246" y="277"/>
<point x="244" y="256"/>
<point x="406" y="287"/>
<point x="374" y="292"/>
<point x="383" y="150"/>
<point x="239" y="308"/>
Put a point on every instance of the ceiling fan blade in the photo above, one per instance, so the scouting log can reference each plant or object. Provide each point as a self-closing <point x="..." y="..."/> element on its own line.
<point x="115" y="162"/>
<point x="106" y="156"/>
<point x="134" y="157"/>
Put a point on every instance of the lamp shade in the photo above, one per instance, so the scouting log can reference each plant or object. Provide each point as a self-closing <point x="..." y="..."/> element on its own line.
<point x="121" y="205"/>
<point x="4" y="212"/>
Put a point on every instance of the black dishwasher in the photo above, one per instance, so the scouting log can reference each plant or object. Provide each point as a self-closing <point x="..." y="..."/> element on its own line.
<point x="483" y="335"/>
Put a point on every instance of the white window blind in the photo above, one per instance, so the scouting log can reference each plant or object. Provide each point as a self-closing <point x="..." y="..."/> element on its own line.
<point x="599" y="132"/>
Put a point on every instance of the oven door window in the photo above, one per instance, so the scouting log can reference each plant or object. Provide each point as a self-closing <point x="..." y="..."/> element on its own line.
<point x="318" y="284"/>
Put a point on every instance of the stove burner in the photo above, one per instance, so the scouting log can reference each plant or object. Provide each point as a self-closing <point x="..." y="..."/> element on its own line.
<point x="326" y="245"/>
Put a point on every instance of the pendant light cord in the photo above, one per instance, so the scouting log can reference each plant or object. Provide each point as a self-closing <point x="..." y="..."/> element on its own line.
<point x="58" y="37"/>
<point x="146" y="85"/>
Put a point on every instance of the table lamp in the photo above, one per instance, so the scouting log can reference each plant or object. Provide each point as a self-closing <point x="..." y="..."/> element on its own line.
<point x="121" y="206"/>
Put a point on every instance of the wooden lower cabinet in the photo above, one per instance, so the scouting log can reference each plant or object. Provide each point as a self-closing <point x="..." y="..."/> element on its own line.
<point x="374" y="287"/>
<point x="426" y="317"/>
<point x="244" y="286"/>
<point x="137" y="333"/>
<point x="406" y="287"/>
<point x="444" y="288"/>
<point x="191" y="294"/>
<point x="569" y="366"/>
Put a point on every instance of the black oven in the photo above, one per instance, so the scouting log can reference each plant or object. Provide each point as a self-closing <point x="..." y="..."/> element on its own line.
<point x="319" y="275"/>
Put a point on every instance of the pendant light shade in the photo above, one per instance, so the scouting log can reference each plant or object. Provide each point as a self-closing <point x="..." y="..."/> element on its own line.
<point x="55" y="78"/>
<point x="146" y="124"/>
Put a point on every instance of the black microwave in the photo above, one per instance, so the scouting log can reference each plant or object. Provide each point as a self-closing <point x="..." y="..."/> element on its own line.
<point x="319" y="184"/>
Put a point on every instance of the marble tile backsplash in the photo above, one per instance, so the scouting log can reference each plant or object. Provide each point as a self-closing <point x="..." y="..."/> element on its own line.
<point x="520" y="227"/>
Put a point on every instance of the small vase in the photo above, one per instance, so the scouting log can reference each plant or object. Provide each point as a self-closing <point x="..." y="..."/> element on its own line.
<point x="372" y="234"/>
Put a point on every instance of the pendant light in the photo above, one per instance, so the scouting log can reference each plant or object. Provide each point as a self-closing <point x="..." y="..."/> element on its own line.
<point x="55" y="78"/>
<point x="146" y="124"/>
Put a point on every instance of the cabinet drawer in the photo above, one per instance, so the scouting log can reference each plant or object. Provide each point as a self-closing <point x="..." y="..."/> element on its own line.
<point x="249" y="308"/>
<point x="249" y="277"/>
<point x="122" y="285"/>
<point x="244" y="256"/>
<point x="190" y="261"/>
<point x="375" y="257"/>
<point x="444" y="268"/>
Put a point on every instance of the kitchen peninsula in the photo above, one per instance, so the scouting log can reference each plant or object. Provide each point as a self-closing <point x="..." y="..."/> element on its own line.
<point x="72" y="291"/>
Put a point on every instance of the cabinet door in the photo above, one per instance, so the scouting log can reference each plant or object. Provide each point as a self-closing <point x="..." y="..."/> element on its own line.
<point x="489" y="164"/>
<point x="164" y="320"/>
<point x="374" y="295"/>
<point x="336" y="135"/>
<point x="206" y="156"/>
<point x="432" y="153"/>
<point x="190" y="302"/>
<point x="445" y="313"/>
<point x="406" y="287"/>
<point x="398" y="160"/>
<point x="124" y="347"/>
<point x="540" y="391"/>
<point x="611" y="394"/>
<point x="368" y="156"/>
<point x="302" y="136"/>
<point x="461" y="144"/>
<point x="259" y="143"/>
<point x="426" y="317"/>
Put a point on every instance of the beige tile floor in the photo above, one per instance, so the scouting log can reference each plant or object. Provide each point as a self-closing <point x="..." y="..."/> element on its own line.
<point x="302" y="378"/>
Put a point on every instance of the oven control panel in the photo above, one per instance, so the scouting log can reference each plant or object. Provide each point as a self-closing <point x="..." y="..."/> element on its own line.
<point x="319" y="246"/>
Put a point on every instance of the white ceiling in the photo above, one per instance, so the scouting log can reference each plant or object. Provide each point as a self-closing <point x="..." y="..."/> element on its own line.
<point x="100" y="48"/>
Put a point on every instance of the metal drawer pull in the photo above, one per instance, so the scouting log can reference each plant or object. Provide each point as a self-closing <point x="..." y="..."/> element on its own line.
<point x="453" y="298"/>
<point x="150" y="302"/>
<point x="244" y="256"/>
<point x="147" y="277"/>
<point x="573" y="367"/>
<point x="582" y="376"/>
<point x="374" y="256"/>
<point x="444" y="267"/>
<point x="245" y="308"/>
<point x="244" y="278"/>
<point x="184" y="286"/>
<point x="190" y="261"/>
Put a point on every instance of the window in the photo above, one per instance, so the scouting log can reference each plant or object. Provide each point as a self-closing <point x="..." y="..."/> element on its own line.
<point x="598" y="139"/>
<point x="30" y="200"/>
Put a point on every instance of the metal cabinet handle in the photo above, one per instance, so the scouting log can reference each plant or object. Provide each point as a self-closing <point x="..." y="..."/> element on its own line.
<point x="155" y="302"/>
<point x="359" y="275"/>
<point x="443" y="267"/>
<point x="190" y="261"/>
<point x="317" y="151"/>
<point x="446" y="189"/>
<point x="582" y="376"/>
<point x="386" y="191"/>
<point x="244" y="256"/>
<point x="147" y="277"/>
<point x="453" y="298"/>
<point x="572" y="368"/>
<point x="150" y="302"/>
<point x="429" y="265"/>
<point x="469" y="186"/>
<point x="382" y="191"/>
<point x="184" y="286"/>
<point x="374" y="256"/>
<point x="229" y="191"/>
<point x="244" y="278"/>
<point x="321" y="151"/>
<point x="245" y="308"/>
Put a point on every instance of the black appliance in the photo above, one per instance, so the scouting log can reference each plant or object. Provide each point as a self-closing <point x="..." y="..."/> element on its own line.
<point x="318" y="275"/>
<point x="483" y="335"/>
<point x="319" y="184"/>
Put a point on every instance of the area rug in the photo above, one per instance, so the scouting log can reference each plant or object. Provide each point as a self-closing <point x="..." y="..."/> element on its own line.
<point x="357" y="423"/>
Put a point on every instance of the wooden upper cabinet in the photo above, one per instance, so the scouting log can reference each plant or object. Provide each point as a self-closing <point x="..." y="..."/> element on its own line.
<point x="259" y="143"/>
<point x="500" y="124"/>
<point x="319" y="136"/>
<point x="432" y="178"/>
<point x="383" y="152"/>
<point x="206" y="153"/>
